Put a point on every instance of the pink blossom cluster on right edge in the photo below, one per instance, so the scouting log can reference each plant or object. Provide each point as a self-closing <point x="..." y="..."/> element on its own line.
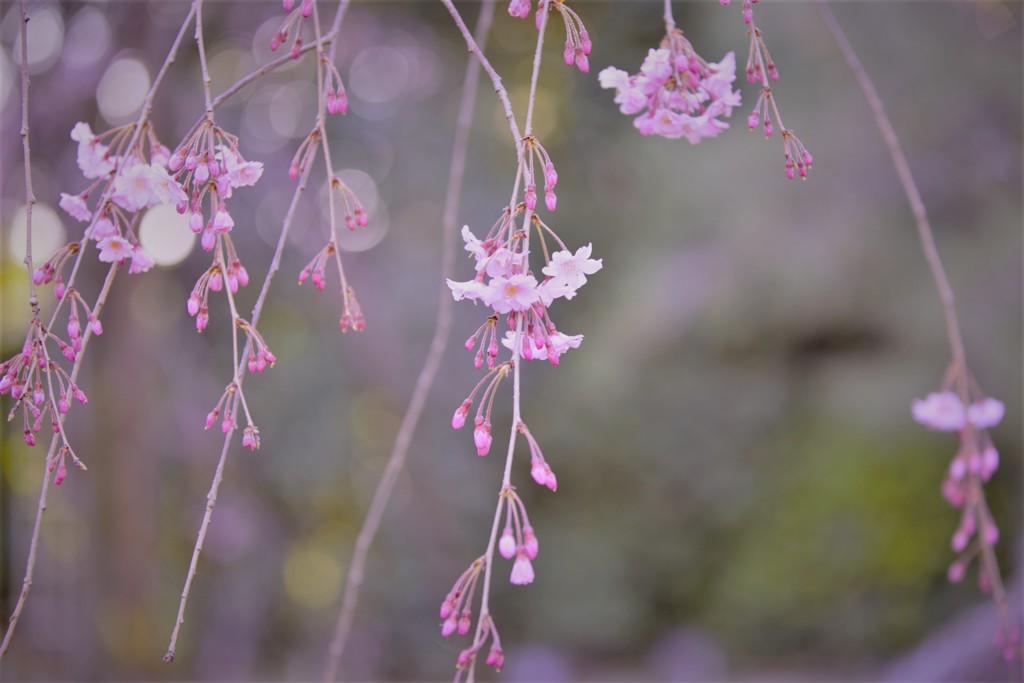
<point x="975" y="462"/>
<point x="676" y="92"/>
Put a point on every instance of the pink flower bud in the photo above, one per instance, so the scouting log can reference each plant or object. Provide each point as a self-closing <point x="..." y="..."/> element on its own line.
<point x="212" y="417"/>
<point x="522" y="570"/>
<point x="585" y="43"/>
<point x="530" y="197"/>
<point x="582" y="63"/>
<point x="569" y="54"/>
<point x="59" y="289"/>
<point x="202" y="173"/>
<point x="208" y="240"/>
<point x="447" y="607"/>
<point x="29" y="439"/>
<point x="459" y="418"/>
<point x="990" y="532"/>
<point x="62" y="473"/>
<point x="959" y="540"/>
<point x="482" y="437"/>
<point x="202" y="319"/>
<point x="507" y="544"/>
<point x="193" y="304"/>
<point x="465" y="621"/>
<point x="530" y="544"/>
<point x="550" y="175"/>
<point x="448" y="627"/>
<point x="495" y="658"/>
<point x="95" y="326"/>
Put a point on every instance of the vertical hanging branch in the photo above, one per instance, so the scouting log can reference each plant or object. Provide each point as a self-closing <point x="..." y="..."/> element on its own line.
<point x="431" y="364"/>
<point x="57" y="402"/>
<point x="254" y="347"/>
<point x="960" y="406"/>
<point x="506" y="283"/>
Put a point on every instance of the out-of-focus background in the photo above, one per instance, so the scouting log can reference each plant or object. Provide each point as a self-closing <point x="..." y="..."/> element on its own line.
<point x="742" y="493"/>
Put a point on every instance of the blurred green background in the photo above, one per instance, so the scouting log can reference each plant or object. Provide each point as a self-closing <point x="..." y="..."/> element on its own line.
<point x="742" y="493"/>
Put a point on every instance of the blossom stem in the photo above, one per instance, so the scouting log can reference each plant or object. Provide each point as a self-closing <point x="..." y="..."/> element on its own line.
<point x="30" y="563"/>
<point x="201" y="46"/>
<point x="475" y="49"/>
<point x="989" y="564"/>
<point x="670" y="22"/>
<point x="425" y="380"/>
<point x="506" y="481"/>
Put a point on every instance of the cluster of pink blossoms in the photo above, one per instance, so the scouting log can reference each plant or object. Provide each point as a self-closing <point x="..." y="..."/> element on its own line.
<point x="137" y="184"/>
<point x="974" y="464"/>
<point x="676" y="92"/>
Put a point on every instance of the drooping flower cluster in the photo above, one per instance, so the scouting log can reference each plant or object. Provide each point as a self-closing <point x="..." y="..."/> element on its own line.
<point x="518" y="299"/>
<point x="137" y="179"/>
<point x="577" y="40"/>
<point x="761" y="69"/>
<point x="974" y="464"/>
<point x="676" y="92"/>
<point x="457" y="616"/>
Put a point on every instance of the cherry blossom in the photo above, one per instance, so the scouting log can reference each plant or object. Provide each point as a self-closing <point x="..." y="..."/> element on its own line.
<point x="683" y="95"/>
<point x="568" y="271"/>
<point x="114" y="249"/>
<point x="940" y="410"/>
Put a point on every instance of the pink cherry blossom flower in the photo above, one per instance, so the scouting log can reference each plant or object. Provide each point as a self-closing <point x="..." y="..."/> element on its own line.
<point x="75" y="206"/>
<point x="141" y="261"/>
<point x="556" y="342"/>
<point x="92" y="156"/>
<point x="513" y="293"/>
<point x="684" y="95"/>
<point x="522" y="570"/>
<point x="133" y="188"/>
<point x="102" y="229"/>
<point x="472" y="290"/>
<point x="114" y="249"/>
<point x="986" y="413"/>
<point x="940" y="410"/>
<point x="568" y="271"/>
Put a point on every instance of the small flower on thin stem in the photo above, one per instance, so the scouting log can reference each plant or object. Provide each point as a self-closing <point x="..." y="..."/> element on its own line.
<point x="315" y="269"/>
<point x="352" y="315"/>
<point x="260" y="356"/>
<point x="518" y="539"/>
<point x="456" y="607"/>
<point x="251" y="438"/>
<point x="539" y="468"/>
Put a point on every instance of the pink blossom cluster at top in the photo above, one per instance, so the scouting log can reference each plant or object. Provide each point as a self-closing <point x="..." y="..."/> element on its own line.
<point x="676" y="92"/>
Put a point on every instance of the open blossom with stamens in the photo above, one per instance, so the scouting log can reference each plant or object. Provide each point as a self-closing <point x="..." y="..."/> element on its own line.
<point x="568" y="271"/>
<point x="683" y="95"/>
<point x="114" y="249"/>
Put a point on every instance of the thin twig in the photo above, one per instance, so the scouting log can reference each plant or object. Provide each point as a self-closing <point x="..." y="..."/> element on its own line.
<point x="26" y="584"/>
<point x="899" y="160"/>
<point x="990" y="565"/>
<point x="275" y="265"/>
<point x="428" y="372"/>
<point x="484" y="618"/>
<point x="495" y="78"/>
